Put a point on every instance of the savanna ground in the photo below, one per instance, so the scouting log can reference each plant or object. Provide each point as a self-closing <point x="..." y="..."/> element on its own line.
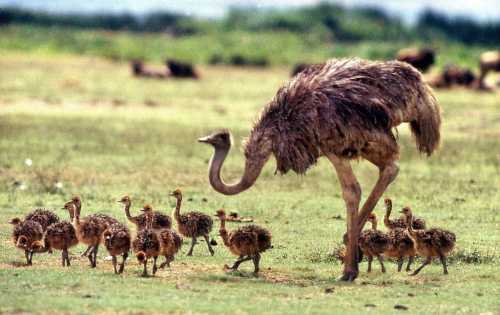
<point x="87" y="124"/>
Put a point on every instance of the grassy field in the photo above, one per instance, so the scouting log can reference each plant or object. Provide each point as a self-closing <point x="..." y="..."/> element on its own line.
<point x="86" y="123"/>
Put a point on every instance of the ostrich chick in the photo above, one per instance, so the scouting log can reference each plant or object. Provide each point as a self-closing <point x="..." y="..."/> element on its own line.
<point x="160" y="220"/>
<point x="89" y="230"/>
<point x="247" y="242"/>
<point x="117" y="241"/>
<point x="103" y="220"/>
<point x="401" y="245"/>
<point x="62" y="236"/>
<point x="192" y="224"/>
<point x="373" y="242"/>
<point x="147" y="243"/>
<point x="27" y="235"/>
<point x="430" y="243"/>
<point x="417" y="223"/>
<point x="170" y="241"/>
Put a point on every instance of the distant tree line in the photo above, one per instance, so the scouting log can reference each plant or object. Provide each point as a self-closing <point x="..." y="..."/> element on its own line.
<point x="329" y="21"/>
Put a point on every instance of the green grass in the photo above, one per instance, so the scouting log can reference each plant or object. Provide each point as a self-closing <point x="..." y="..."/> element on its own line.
<point x="85" y="122"/>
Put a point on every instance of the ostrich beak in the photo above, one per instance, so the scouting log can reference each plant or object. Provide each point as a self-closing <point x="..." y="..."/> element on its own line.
<point x="171" y="194"/>
<point x="401" y="211"/>
<point x="204" y="139"/>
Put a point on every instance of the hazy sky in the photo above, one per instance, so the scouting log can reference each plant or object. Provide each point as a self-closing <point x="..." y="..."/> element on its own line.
<point x="407" y="9"/>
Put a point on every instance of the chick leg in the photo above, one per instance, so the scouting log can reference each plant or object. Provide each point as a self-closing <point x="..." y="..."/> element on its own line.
<point x="410" y="261"/>
<point x="426" y="262"/>
<point x="193" y="242"/>
<point x="381" y="261"/>
<point x="210" y="249"/>
<point x="122" y="265"/>
<point x="256" y="260"/>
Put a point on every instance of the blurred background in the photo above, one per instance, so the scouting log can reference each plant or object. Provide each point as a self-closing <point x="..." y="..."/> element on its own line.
<point x="259" y="33"/>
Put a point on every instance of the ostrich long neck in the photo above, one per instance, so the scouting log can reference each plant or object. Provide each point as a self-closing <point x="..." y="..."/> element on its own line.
<point x="409" y="218"/>
<point x="374" y="225"/>
<point x="76" y="215"/>
<point x="177" y="210"/>
<point x="223" y="232"/>
<point x="388" y="209"/>
<point x="127" y="212"/>
<point x="149" y="219"/>
<point x="253" y="167"/>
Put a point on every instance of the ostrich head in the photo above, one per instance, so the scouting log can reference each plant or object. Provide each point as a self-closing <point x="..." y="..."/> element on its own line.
<point x="372" y="218"/>
<point x="176" y="193"/>
<point x="147" y="209"/>
<point x="219" y="140"/>
<point x="77" y="201"/>
<point x="71" y="208"/>
<point x="15" y="221"/>
<point x="125" y="200"/>
<point x="406" y="211"/>
<point x="221" y="214"/>
<point x="388" y="202"/>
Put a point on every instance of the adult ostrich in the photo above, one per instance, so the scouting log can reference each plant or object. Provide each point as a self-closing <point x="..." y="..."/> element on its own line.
<point x="343" y="110"/>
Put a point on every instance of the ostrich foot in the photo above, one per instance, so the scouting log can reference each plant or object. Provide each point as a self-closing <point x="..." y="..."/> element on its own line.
<point x="349" y="276"/>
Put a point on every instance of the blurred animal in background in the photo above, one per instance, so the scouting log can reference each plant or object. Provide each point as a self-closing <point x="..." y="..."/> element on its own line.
<point x="420" y="58"/>
<point x="489" y="61"/>
<point x="453" y="75"/>
<point x="180" y="69"/>
<point x="139" y="70"/>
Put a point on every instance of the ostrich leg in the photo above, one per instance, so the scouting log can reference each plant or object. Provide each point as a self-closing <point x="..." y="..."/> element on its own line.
<point x="351" y="192"/>
<point x="383" y="155"/>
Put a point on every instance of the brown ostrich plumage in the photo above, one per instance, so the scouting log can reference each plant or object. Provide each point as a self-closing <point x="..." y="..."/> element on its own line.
<point x="27" y="235"/>
<point x="89" y="230"/>
<point x="343" y="110"/>
<point x="246" y="242"/>
<point x="171" y="243"/>
<point x="117" y="239"/>
<point x="434" y="242"/>
<point x="417" y="223"/>
<point x="160" y="220"/>
<point x="401" y="245"/>
<point x="192" y="224"/>
<point x="147" y="243"/>
<point x="43" y="216"/>
<point x="421" y="58"/>
<point x="61" y="236"/>
<point x="373" y="243"/>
